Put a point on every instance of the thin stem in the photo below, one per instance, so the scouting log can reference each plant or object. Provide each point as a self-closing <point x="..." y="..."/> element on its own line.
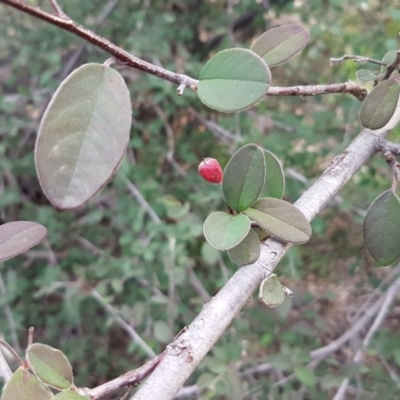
<point x="170" y="140"/>
<point x="9" y="316"/>
<point x="109" y="62"/>
<point x="375" y="294"/>
<point x="30" y="335"/>
<point x="394" y="165"/>
<point x="385" y="145"/>
<point x="392" y="67"/>
<point x="325" y="351"/>
<point x="5" y="370"/>
<point x="12" y="351"/>
<point x="124" y="324"/>
<point x="59" y="12"/>
<point x="131" y="378"/>
<point x="389" y="298"/>
<point x="395" y="378"/>
<point x="358" y="59"/>
<point x="384" y="309"/>
<point x="102" y="17"/>
<point x="117" y="52"/>
<point x="217" y="130"/>
<point x="183" y="81"/>
<point x="313" y="90"/>
<point x="142" y="201"/>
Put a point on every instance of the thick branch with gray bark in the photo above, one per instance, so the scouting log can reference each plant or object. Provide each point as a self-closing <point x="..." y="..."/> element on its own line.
<point x="189" y="348"/>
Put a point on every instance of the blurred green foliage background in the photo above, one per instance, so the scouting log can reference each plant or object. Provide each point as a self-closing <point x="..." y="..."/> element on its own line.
<point x="157" y="274"/>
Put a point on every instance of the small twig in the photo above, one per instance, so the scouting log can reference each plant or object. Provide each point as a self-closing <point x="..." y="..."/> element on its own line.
<point x="323" y="352"/>
<point x="312" y="90"/>
<point x="384" y="309"/>
<point x="5" y="370"/>
<point x="259" y="370"/>
<point x="125" y="396"/>
<point x="12" y="351"/>
<point x="109" y="62"/>
<point x="341" y="392"/>
<point x="198" y="286"/>
<point x="121" y="321"/>
<point x="59" y="12"/>
<point x="31" y="330"/>
<point x="142" y="201"/>
<point x="395" y="378"/>
<point x="358" y="59"/>
<point x="170" y="140"/>
<point x="181" y="80"/>
<point x="91" y="37"/>
<point x="9" y="315"/>
<point x="283" y="381"/>
<point x="218" y="131"/>
<point x="395" y="65"/>
<point x="250" y="373"/>
<point x="68" y="65"/>
<point x="90" y="246"/>
<point x="385" y="145"/>
<point x="393" y="274"/>
<point x="190" y="392"/>
<point x="267" y="122"/>
<point x="389" y="298"/>
<point x="395" y="166"/>
<point x="131" y="378"/>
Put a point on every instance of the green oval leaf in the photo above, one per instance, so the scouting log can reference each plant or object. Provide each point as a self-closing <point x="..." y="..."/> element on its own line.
<point x="281" y="219"/>
<point x="388" y="58"/>
<point x="162" y="331"/>
<point x="69" y="395"/>
<point x="271" y="291"/>
<point x="306" y="376"/>
<point x="50" y="365"/>
<point x="18" y="237"/>
<point x="280" y="44"/>
<point x="83" y="135"/>
<point x="244" y="177"/>
<point x="233" y="80"/>
<point x="364" y="75"/>
<point x="380" y="104"/>
<point x="247" y="251"/>
<point x="382" y="228"/>
<point x="24" y="386"/>
<point x="274" y="185"/>
<point x="262" y="235"/>
<point x="224" y="231"/>
<point x="209" y="254"/>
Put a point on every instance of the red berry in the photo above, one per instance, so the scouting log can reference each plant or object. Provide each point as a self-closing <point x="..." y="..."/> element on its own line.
<point x="210" y="170"/>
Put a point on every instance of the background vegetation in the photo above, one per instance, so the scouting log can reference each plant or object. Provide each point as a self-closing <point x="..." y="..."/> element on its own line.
<point x="154" y="267"/>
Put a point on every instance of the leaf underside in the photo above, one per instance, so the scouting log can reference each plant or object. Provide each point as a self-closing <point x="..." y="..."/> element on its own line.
<point x="278" y="45"/>
<point x="247" y="251"/>
<point x="382" y="228"/>
<point x="274" y="179"/>
<point x="83" y="135"/>
<point x="224" y="231"/>
<point x="271" y="291"/>
<point x="380" y="105"/>
<point x="18" y="237"/>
